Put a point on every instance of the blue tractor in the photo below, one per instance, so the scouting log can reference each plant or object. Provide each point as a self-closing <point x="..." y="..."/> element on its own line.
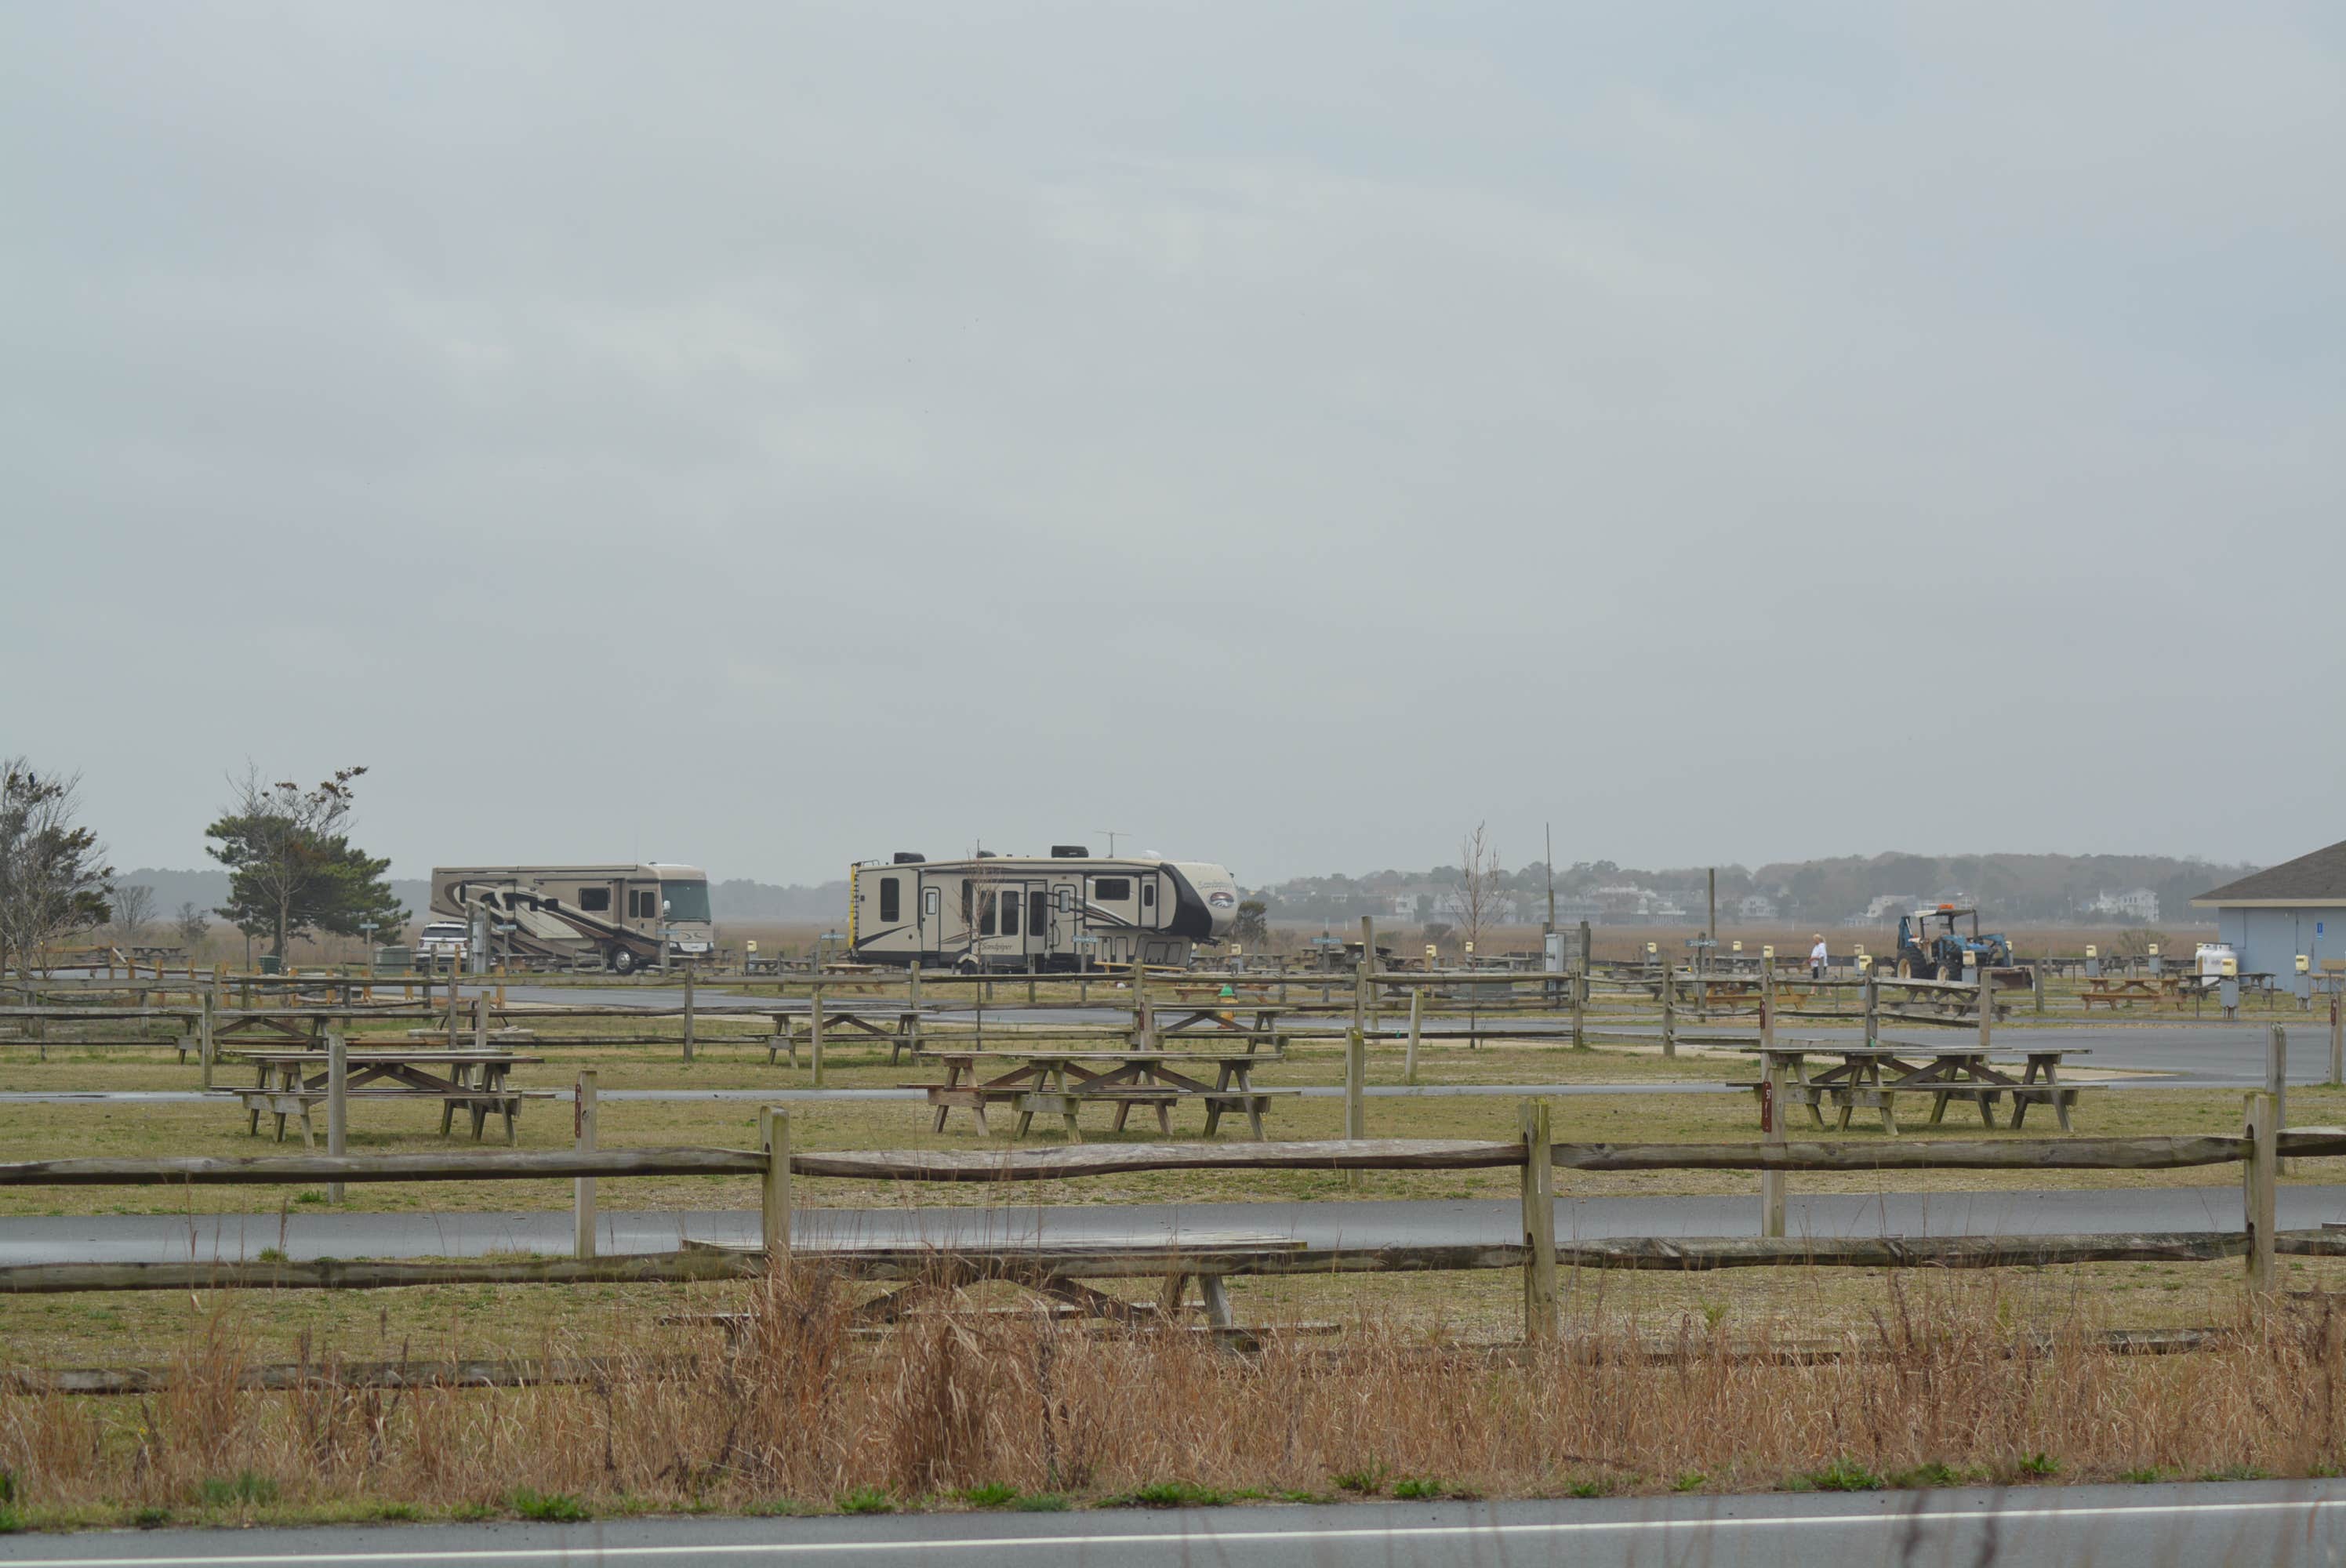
<point x="1931" y="947"/>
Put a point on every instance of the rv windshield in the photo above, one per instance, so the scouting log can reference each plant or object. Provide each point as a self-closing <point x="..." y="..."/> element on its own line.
<point x="685" y="901"/>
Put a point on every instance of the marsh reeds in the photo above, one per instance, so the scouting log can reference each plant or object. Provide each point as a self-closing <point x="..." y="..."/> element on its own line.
<point x="794" y="1407"/>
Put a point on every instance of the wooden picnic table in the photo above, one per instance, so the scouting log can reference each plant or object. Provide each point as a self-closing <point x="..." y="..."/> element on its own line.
<point x="899" y="1027"/>
<point x="1052" y="1269"/>
<point x="1059" y="1081"/>
<point x="1873" y="1075"/>
<point x="1219" y="1017"/>
<point x="289" y="1082"/>
<point x="2114" y="991"/>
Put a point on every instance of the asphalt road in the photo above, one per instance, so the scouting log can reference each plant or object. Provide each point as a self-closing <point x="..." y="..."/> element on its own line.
<point x="2272" y="1524"/>
<point x="308" y="1233"/>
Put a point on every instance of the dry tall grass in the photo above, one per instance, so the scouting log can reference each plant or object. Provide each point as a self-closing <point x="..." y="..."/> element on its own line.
<point x="800" y="1408"/>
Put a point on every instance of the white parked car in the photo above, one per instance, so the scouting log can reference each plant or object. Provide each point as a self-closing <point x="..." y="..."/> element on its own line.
<point x="443" y="941"/>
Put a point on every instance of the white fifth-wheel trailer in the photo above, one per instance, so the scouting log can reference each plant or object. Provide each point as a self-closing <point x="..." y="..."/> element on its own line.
<point x="1068" y="909"/>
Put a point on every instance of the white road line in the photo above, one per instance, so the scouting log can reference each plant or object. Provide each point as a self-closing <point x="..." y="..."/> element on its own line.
<point x="1397" y="1534"/>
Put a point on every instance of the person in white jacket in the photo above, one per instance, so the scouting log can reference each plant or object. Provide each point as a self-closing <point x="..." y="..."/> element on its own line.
<point x="1816" y="958"/>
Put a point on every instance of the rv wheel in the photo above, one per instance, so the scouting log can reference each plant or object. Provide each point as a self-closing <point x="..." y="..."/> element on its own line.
<point x="623" y="961"/>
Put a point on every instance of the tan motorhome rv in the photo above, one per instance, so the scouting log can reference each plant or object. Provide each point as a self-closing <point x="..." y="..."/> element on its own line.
<point x="1066" y="910"/>
<point x="620" y="914"/>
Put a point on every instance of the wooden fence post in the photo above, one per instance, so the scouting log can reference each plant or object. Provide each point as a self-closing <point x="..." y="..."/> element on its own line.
<point x="1669" y="1007"/>
<point x="2338" y="1034"/>
<point x="1986" y="1006"/>
<point x="1356" y="1078"/>
<point x="582" y="1199"/>
<point x="1360" y="998"/>
<point x="912" y="1005"/>
<point x="2260" y="1126"/>
<point x="1872" y="995"/>
<point x="1144" y="1020"/>
<point x="2277" y="1083"/>
<point x="1772" y="1131"/>
<point x="688" y="1012"/>
<point x="480" y="1021"/>
<point x="814" y="1036"/>
<point x="2037" y="983"/>
<point x="1356" y="1105"/>
<point x="774" y="1138"/>
<point x="1580" y="994"/>
<point x="338" y="1105"/>
<point x="1416" y="1024"/>
<point x="1539" y="1225"/>
<point x="204" y="1036"/>
<point x="1368" y="968"/>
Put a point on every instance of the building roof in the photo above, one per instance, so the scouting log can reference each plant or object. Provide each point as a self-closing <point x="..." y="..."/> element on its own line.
<point x="2318" y="878"/>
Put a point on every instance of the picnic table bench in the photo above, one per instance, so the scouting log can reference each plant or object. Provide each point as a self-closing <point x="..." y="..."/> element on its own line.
<point x="1059" y="1082"/>
<point x="899" y="1027"/>
<point x="1871" y="1076"/>
<point x="1052" y="1269"/>
<point x="291" y="1083"/>
<point x="2114" y="990"/>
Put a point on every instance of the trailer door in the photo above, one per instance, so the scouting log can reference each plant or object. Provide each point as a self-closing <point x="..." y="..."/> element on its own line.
<point x="1039" y="919"/>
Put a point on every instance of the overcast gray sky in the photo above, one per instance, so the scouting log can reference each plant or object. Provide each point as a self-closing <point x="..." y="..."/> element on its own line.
<point x="770" y="435"/>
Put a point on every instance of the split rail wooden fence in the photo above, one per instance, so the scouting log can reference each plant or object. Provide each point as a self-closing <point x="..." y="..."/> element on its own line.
<point x="776" y="1164"/>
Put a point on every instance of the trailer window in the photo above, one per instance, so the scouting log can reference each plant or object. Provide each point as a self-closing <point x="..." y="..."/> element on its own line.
<point x="1037" y="913"/>
<point x="1010" y="915"/>
<point x="1149" y="895"/>
<point x="1111" y="890"/>
<point x="639" y="904"/>
<point x="929" y="903"/>
<point x="890" y="906"/>
<point x="964" y="904"/>
<point x="595" y="901"/>
<point x="1065" y="899"/>
<point x="985" y="914"/>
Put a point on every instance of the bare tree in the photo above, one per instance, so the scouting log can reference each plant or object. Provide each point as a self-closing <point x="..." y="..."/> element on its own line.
<point x="134" y="910"/>
<point x="54" y="883"/>
<point x="189" y="926"/>
<point x="1476" y="894"/>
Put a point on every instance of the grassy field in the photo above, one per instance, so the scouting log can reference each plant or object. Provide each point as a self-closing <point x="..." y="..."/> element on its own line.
<point x="1149" y="1416"/>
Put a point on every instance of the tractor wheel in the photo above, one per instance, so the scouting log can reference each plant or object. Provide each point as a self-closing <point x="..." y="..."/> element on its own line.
<point x="1905" y="969"/>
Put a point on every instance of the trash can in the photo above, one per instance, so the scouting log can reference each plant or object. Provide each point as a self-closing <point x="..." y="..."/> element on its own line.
<point x="270" y="964"/>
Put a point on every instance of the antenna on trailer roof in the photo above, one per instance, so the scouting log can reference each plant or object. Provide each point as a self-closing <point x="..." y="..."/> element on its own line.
<point x="1113" y="833"/>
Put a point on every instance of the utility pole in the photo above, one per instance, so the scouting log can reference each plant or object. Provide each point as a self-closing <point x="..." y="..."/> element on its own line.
<point x="1547" y="832"/>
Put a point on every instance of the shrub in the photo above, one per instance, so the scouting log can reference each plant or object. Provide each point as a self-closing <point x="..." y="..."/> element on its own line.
<point x="1841" y="1475"/>
<point x="243" y="1489"/>
<point x="1417" y="1488"/>
<point x="1173" y="1495"/>
<point x="992" y="1494"/>
<point x="865" y="1500"/>
<point x="1924" y="1476"/>
<point x="1370" y="1477"/>
<point x="548" y="1507"/>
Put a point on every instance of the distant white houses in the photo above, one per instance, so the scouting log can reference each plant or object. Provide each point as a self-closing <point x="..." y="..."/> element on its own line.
<point x="1888" y="907"/>
<point x="2140" y="904"/>
<point x="1752" y="907"/>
